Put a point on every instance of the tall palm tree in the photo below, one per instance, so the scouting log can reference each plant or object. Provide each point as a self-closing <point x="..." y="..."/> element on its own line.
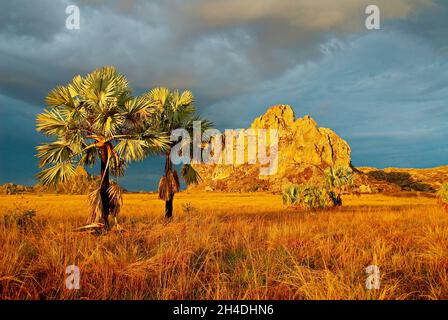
<point x="175" y="111"/>
<point x="96" y="117"/>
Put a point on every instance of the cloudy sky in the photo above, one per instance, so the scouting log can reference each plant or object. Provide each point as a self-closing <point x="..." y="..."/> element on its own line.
<point x="384" y="91"/>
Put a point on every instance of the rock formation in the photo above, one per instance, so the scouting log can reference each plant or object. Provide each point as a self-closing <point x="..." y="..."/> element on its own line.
<point x="304" y="151"/>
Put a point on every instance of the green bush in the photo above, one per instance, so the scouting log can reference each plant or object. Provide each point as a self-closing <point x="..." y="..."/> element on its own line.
<point x="292" y="194"/>
<point x="320" y="196"/>
<point x="306" y="197"/>
<point x="443" y="193"/>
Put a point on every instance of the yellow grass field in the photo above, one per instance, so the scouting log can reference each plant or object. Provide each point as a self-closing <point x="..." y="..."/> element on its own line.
<point x="227" y="246"/>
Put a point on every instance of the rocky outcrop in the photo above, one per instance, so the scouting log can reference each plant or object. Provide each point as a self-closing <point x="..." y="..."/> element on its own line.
<point x="402" y="179"/>
<point x="304" y="152"/>
<point x="12" y="188"/>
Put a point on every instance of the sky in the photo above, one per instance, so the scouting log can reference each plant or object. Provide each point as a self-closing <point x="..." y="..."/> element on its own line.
<point x="384" y="91"/>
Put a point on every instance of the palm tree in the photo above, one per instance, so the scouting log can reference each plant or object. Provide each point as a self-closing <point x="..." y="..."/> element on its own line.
<point x="175" y="111"/>
<point x="96" y="117"/>
<point x="337" y="179"/>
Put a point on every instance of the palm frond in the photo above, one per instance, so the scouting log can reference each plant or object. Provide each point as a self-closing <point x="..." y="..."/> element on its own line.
<point x="115" y="194"/>
<point x="173" y="181"/>
<point x="104" y="89"/>
<point x="168" y="185"/>
<point x="186" y="98"/>
<point x="118" y="168"/>
<point x="157" y="142"/>
<point x="108" y="122"/>
<point x="59" y="172"/>
<point x="136" y="112"/>
<point x="58" y="151"/>
<point x="205" y="124"/>
<point x="190" y="175"/>
<point x="76" y="86"/>
<point x="116" y="164"/>
<point x="89" y="157"/>
<point x="60" y="96"/>
<point x="158" y="97"/>
<point x="131" y="149"/>
<point x="92" y="227"/>
<point x="96" y="206"/>
<point x="51" y="122"/>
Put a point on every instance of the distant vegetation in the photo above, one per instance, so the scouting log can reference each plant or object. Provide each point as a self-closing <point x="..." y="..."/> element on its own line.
<point x="320" y="195"/>
<point x="307" y="196"/>
<point x="11" y="188"/>
<point x="443" y="194"/>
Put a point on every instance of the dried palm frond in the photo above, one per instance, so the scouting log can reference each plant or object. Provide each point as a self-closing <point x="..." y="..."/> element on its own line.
<point x="117" y="168"/>
<point x="174" y="181"/>
<point x="96" y="206"/>
<point x="164" y="192"/>
<point x="168" y="185"/>
<point x="115" y="194"/>
<point x="91" y="227"/>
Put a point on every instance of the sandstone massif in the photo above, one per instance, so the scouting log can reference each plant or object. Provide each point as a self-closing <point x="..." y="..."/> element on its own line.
<point x="305" y="150"/>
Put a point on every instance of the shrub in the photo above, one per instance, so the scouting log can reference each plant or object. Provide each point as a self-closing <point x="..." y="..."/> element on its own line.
<point x="22" y="218"/>
<point x="306" y="197"/>
<point x="292" y="194"/>
<point x="188" y="208"/>
<point x="443" y="194"/>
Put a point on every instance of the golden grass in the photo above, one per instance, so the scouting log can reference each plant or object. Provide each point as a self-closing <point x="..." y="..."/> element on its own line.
<point x="227" y="246"/>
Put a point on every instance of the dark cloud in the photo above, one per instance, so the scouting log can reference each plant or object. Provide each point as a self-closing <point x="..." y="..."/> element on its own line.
<point x="430" y="25"/>
<point x="216" y="48"/>
<point x="38" y="20"/>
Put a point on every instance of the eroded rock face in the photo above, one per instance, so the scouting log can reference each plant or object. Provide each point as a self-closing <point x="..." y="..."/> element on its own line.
<point x="304" y="151"/>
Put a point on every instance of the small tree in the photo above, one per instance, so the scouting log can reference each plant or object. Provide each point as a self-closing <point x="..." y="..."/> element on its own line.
<point x="443" y="195"/>
<point x="96" y="117"/>
<point x="337" y="179"/>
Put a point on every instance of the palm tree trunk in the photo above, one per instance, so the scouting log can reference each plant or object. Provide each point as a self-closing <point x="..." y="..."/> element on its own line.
<point x="104" y="188"/>
<point x="339" y="197"/>
<point x="169" y="207"/>
<point x="169" y="202"/>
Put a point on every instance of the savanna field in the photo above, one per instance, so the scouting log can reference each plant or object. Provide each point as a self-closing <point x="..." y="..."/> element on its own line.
<point x="226" y="246"/>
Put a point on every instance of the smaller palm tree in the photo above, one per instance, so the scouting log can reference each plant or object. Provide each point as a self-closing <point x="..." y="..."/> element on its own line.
<point x="337" y="179"/>
<point x="175" y="110"/>
<point x="443" y="195"/>
<point x="96" y="117"/>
